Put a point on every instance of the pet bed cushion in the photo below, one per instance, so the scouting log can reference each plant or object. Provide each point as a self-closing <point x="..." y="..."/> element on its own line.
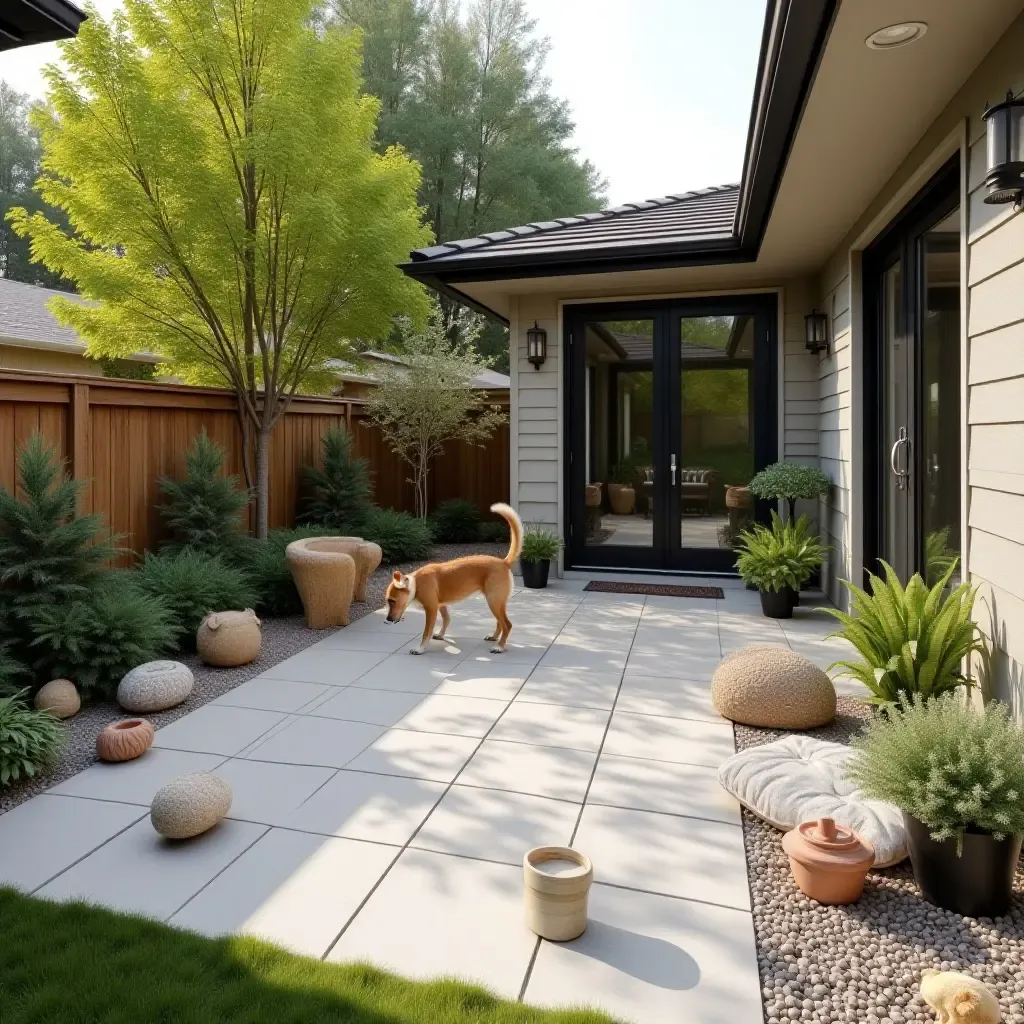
<point x="799" y="778"/>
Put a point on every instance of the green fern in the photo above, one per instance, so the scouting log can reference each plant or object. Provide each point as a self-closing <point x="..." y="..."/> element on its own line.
<point x="783" y="555"/>
<point x="912" y="641"/>
<point x="29" y="739"/>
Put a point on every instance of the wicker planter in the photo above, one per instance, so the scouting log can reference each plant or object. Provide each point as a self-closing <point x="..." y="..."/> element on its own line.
<point x="124" y="741"/>
<point x="325" y="577"/>
<point x="557" y="884"/>
<point x="622" y="499"/>
<point x="367" y="556"/>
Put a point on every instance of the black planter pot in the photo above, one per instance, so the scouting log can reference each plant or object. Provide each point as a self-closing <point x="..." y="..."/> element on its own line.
<point x="777" y="604"/>
<point x="535" y="574"/>
<point x="979" y="883"/>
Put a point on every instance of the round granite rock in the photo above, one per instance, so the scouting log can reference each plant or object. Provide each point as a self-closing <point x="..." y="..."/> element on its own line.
<point x="190" y="805"/>
<point x="155" y="686"/>
<point x="59" y="697"/>
<point x="773" y="688"/>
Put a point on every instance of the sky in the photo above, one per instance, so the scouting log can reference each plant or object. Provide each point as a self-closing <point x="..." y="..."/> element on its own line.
<point x="660" y="90"/>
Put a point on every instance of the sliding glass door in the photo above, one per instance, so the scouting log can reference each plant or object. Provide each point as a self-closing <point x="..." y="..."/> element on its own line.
<point x="670" y="410"/>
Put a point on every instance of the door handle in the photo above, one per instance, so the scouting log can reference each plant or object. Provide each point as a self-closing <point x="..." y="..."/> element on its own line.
<point x="900" y="474"/>
<point x="672" y="467"/>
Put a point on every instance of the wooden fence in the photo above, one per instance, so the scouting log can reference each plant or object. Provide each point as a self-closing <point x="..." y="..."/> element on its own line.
<point x="121" y="436"/>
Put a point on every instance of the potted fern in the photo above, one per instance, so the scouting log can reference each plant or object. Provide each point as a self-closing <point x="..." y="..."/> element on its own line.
<point x="777" y="561"/>
<point x="539" y="547"/>
<point x="912" y="642"/>
<point x="957" y="773"/>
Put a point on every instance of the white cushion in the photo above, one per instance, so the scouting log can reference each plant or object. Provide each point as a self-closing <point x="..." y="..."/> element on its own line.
<point x="799" y="778"/>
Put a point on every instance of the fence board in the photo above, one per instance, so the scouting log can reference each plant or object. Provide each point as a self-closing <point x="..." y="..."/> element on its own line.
<point x="122" y="436"/>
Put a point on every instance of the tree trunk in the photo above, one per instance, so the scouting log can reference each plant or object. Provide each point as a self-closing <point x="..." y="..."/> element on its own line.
<point x="262" y="483"/>
<point x="792" y="509"/>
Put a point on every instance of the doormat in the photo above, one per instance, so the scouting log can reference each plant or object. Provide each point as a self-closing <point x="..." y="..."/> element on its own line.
<point x="654" y="589"/>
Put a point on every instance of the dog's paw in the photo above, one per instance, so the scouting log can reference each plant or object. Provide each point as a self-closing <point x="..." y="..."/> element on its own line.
<point x="492" y="637"/>
<point x="440" y="636"/>
<point x="415" y="650"/>
<point x="497" y="650"/>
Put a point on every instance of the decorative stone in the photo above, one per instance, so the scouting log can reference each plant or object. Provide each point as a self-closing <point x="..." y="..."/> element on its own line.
<point x="59" y="697"/>
<point x="190" y="805"/>
<point x="228" y="639"/>
<point x="773" y="688"/>
<point x="155" y="686"/>
<point x="325" y="577"/>
<point x="367" y="556"/>
<point x="959" y="998"/>
<point x="557" y="882"/>
<point x="124" y="741"/>
<point x="829" y="861"/>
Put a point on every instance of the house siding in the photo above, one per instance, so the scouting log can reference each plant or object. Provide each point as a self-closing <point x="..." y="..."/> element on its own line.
<point x="20" y="357"/>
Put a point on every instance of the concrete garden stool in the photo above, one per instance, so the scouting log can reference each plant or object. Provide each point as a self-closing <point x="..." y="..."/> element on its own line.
<point x="367" y="557"/>
<point x="325" y="577"/>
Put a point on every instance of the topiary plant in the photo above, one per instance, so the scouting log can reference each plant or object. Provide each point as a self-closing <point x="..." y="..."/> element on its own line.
<point x="790" y="481"/>
<point x="946" y="763"/>
<point x="29" y="739"/>
<point x="539" y="544"/>
<point x="190" y="584"/>
<point x="912" y="642"/>
<point x="204" y="509"/>
<point x="337" y="492"/>
<point x="456" y="521"/>
<point x="783" y="555"/>
<point x="402" y="537"/>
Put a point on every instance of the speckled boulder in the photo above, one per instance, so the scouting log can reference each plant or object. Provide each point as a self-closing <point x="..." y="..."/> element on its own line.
<point x="228" y="639"/>
<point x="190" y="805"/>
<point x="773" y="688"/>
<point x="59" y="697"/>
<point x="155" y="686"/>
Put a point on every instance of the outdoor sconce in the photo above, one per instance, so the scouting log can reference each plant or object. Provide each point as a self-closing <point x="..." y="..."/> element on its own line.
<point x="536" y="345"/>
<point x="1004" y="135"/>
<point x="816" y="331"/>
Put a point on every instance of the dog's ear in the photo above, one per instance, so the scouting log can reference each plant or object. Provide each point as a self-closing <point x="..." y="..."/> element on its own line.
<point x="397" y="577"/>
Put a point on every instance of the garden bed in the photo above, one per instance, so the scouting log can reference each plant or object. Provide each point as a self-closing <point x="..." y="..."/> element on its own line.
<point x="862" y="963"/>
<point x="282" y="637"/>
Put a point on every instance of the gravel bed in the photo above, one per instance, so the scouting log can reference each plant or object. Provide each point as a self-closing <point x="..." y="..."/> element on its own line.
<point x="862" y="963"/>
<point x="281" y="639"/>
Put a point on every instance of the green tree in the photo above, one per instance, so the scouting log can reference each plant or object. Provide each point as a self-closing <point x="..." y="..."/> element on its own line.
<point x="215" y="160"/>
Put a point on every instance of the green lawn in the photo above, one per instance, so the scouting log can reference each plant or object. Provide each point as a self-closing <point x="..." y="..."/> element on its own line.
<point x="74" y="964"/>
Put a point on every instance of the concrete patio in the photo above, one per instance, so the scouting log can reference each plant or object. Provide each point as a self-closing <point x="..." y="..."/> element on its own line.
<point x="383" y="804"/>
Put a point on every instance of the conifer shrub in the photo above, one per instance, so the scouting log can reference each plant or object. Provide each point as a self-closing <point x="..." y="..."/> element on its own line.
<point x="456" y="521"/>
<point x="402" y="537"/>
<point x="336" y="494"/>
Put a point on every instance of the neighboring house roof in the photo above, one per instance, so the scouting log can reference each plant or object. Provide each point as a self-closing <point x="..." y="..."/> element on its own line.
<point x="26" y="322"/>
<point x="26" y="22"/>
<point x="486" y="380"/>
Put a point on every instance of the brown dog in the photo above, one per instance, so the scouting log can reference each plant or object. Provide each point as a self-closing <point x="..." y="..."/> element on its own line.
<point x="440" y="584"/>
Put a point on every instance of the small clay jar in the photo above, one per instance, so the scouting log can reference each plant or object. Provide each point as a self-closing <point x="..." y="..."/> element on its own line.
<point x="124" y="741"/>
<point x="829" y="861"/>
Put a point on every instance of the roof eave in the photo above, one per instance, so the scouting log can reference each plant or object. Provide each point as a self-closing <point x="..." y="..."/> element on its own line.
<point x="63" y="18"/>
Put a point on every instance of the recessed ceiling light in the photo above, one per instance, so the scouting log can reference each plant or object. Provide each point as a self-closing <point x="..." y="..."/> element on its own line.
<point x="891" y="36"/>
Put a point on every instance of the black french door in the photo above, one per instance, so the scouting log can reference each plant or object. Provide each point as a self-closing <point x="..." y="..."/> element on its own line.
<point x="912" y="385"/>
<point x="670" y="410"/>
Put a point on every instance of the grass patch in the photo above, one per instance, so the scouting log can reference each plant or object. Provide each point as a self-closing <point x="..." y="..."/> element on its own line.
<point x="75" y="964"/>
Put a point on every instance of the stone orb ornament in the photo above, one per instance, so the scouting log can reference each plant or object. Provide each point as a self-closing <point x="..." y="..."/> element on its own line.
<point x="229" y="639"/>
<point x="773" y="688"/>
<point x="190" y="805"/>
<point x="155" y="686"/>
<point x="125" y="740"/>
<point x="59" y="697"/>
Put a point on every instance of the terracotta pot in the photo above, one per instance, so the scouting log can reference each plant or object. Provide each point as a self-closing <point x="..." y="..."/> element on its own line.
<point x="829" y="861"/>
<point x="738" y="497"/>
<point x="124" y="741"/>
<point x="557" y="884"/>
<point x="622" y="499"/>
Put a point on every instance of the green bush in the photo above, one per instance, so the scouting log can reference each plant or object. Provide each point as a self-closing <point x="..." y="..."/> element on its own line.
<point x="402" y="537"/>
<point x="204" y="510"/>
<point x="912" y="641"/>
<point x="96" y="638"/>
<point x="336" y="494"/>
<point x="29" y="739"/>
<point x="494" y="531"/>
<point x="456" y="521"/>
<point x="539" y="545"/>
<point x="13" y="674"/>
<point x="783" y="555"/>
<point x="191" y="584"/>
<point x="790" y="481"/>
<point x="951" y="766"/>
<point x="265" y="566"/>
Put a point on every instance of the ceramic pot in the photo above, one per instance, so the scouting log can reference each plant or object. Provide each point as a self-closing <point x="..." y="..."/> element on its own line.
<point x="829" y="861"/>
<point x="622" y="499"/>
<point x="557" y="884"/>
<point x="592" y="496"/>
<point x="535" y="574"/>
<point x="778" y="604"/>
<point x="978" y="883"/>
<point x="124" y="741"/>
<point x="738" y="497"/>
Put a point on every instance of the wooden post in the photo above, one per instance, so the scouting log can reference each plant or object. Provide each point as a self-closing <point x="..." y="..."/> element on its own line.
<point x="78" y="422"/>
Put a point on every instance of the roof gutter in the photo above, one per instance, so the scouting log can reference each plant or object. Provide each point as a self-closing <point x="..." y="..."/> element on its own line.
<point x="20" y="20"/>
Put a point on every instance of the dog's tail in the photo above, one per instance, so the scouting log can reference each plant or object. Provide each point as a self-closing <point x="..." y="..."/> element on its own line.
<point x="515" y="527"/>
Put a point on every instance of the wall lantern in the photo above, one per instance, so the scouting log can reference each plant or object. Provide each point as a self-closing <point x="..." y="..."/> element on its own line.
<point x="536" y="345"/>
<point x="816" y="331"/>
<point x="1004" y="132"/>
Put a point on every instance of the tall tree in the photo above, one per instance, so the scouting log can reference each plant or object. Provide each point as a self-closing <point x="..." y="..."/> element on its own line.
<point x="215" y="159"/>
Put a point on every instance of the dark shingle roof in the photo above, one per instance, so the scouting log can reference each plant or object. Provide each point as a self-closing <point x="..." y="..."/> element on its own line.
<point x="687" y="218"/>
<point x="24" y="317"/>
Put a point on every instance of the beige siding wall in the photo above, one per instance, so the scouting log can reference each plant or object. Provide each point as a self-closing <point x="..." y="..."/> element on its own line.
<point x="17" y="357"/>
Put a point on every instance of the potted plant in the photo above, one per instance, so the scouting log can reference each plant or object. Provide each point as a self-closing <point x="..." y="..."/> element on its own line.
<point x="957" y="773"/>
<point x="912" y="642"/>
<point x="621" y="494"/>
<point x="790" y="481"/>
<point x="776" y="561"/>
<point x="539" y="547"/>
